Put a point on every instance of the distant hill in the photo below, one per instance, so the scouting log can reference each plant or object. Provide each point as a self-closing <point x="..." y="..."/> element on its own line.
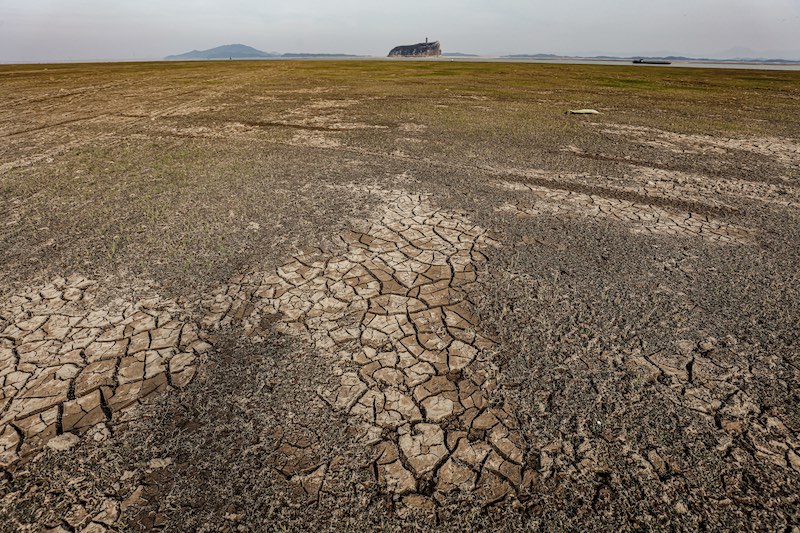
<point x="660" y="57"/>
<point x="302" y="55"/>
<point x="535" y="56"/>
<point x="235" y="51"/>
<point x="459" y="54"/>
<point x="240" y="51"/>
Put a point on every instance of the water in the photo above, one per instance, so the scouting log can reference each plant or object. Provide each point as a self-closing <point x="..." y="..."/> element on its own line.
<point x="675" y="64"/>
<point x="609" y="62"/>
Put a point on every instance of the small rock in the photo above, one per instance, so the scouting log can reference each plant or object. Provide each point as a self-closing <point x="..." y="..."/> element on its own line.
<point x="133" y="499"/>
<point x="657" y="462"/>
<point x="76" y="516"/>
<point x="109" y="513"/>
<point x="685" y="346"/>
<point x="794" y="460"/>
<point x="63" y="442"/>
<point x="160" y="463"/>
<point x="708" y="344"/>
<point x="102" y="433"/>
<point x="94" y="527"/>
<point x="732" y="426"/>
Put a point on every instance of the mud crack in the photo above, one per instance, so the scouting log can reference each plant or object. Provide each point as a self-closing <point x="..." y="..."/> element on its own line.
<point x="390" y="307"/>
<point x="67" y="365"/>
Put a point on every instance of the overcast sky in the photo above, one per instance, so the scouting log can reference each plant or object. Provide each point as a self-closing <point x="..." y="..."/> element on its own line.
<point x="40" y="30"/>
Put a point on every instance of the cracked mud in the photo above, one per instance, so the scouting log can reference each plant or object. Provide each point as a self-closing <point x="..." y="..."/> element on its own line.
<point x="786" y="151"/>
<point x="67" y="366"/>
<point x="392" y="308"/>
<point x="642" y="218"/>
<point x="705" y="378"/>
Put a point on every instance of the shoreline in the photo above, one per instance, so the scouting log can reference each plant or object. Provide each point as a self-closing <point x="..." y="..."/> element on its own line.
<point x="744" y="65"/>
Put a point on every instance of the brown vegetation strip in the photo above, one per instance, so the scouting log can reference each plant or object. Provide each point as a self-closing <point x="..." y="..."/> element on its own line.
<point x="262" y="124"/>
<point x="53" y="125"/>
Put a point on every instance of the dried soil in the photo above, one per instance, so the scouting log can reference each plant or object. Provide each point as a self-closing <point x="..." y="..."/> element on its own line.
<point x="398" y="296"/>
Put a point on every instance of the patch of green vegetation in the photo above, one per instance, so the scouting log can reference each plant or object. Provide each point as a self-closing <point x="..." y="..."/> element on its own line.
<point x="631" y="83"/>
<point x="158" y="156"/>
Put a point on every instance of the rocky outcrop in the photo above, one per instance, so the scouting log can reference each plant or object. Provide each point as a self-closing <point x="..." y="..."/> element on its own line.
<point x="425" y="49"/>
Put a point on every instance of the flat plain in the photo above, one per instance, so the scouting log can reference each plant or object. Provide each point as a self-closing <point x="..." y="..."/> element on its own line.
<point x="244" y="296"/>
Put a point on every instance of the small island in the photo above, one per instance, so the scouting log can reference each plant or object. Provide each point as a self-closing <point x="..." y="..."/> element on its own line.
<point x="426" y="49"/>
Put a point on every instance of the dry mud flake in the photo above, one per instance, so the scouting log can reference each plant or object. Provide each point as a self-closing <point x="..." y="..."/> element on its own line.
<point x="641" y="218"/>
<point x="67" y="365"/>
<point x="711" y="379"/>
<point x="783" y="150"/>
<point x="390" y="308"/>
<point x="666" y="186"/>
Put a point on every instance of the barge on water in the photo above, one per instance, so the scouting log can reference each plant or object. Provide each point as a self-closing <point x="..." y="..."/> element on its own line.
<point x="651" y="62"/>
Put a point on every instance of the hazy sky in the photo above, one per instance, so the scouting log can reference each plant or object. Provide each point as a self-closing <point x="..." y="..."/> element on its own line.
<point x="38" y="30"/>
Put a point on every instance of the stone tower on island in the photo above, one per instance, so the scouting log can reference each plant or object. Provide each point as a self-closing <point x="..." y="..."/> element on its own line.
<point x="426" y="49"/>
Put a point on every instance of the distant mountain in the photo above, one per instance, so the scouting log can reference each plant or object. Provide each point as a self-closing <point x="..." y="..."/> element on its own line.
<point x="664" y="57"/>
<point x="535" y="56"/>
<point x="240" y="51"/>
<point x="459" y="54"/>
<point x="234" y="51"/>
<point x="748" y="54"/>
<point x="302" y="55"/>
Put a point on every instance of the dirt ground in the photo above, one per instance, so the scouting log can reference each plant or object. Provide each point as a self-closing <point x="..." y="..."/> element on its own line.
<point x="259" y="296"/>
